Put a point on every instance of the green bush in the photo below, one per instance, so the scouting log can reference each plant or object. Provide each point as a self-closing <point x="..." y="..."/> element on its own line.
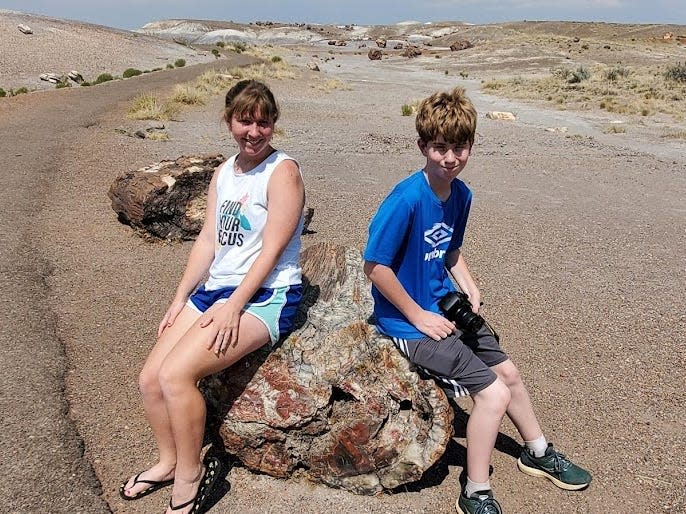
<point x="276" y="59"/>
<point x="215" y="52"/>
<point x="221" y="44"/>
<point x="20" y="91"/>
<point x="103" y="77"/>
<point x="676" y="73"/>
<point x="406" y="110"/>
<point x="131" y="72"/>
<point x="180" y="63"/>
<point x="85" y="83"/>
<point x="3" y="93"/>
<point x="63" y="84"/>
<point x="170" y="66"/>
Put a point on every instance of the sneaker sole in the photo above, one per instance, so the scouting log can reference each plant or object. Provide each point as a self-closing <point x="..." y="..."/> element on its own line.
<point x="457" y="507"/>
<point x="538" y="473"/>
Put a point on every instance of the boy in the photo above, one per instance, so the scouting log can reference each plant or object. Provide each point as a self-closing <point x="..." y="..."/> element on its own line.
<point x="414" y="240"/>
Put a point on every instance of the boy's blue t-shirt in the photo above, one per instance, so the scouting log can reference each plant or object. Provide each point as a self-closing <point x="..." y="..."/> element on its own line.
<point x="411" y="233"/>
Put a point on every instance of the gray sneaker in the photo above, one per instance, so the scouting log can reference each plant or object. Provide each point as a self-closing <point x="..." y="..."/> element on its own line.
<point x="480" y="502"/>
<point x="555" y="467"/>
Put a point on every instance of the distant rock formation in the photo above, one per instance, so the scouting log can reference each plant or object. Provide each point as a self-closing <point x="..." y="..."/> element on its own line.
<point x="336" y="402"/>
<point x="412" y="51"/>
<point x="461" y="44"/>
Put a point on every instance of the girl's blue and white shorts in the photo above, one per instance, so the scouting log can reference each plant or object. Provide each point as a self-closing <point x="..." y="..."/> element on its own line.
<point x="275" y="307"/>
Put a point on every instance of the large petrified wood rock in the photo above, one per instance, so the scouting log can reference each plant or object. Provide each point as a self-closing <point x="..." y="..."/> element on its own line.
<point x="167" y="199"/>
<point x="336" y="402"/>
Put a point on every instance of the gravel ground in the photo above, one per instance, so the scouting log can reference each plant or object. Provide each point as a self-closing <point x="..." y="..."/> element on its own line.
<point x="576" y="239"/>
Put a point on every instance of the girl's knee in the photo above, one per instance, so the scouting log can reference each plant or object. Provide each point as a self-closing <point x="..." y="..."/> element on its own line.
<point x="173" y="380"/>
<point x="149" y="382"/>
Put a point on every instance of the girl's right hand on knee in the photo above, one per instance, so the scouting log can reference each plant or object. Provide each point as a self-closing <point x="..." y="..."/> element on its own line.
<point x="170" y="316"/>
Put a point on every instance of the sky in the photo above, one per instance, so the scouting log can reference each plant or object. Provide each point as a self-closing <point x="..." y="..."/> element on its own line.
<point x="133" y="14"/>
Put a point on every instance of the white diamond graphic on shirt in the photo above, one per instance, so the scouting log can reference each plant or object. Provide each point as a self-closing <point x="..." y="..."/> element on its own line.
<point x="438" y="234"/>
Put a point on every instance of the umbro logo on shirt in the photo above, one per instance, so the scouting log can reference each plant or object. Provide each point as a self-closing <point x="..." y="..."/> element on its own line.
<point x="437" y="235"/>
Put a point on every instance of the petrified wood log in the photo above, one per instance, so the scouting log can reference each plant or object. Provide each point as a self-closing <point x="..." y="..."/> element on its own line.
<point x="168" y="199"/>
<point x="336" y="402"/>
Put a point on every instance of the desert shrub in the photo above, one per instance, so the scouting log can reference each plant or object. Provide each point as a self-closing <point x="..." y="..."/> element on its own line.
<point x="579" y="75"/>
<point x="85" y="83"/>
<point x="215" y="52"/>
<point x="276" y="59"/>
<point x="239" y="47"/>
<point x="156" y="69"/>
<point x="170" y="66"/>
<point x="103" y="77"/>
<point x="464" y="74"/>
<point x="180" y="63"/>
<point x="406" y="110"/>
<point x="63" y="84"/>
<point x="188" y="95"/>
<point x="131" y="72"/>
<point x="676" y="73"/>
<point x="19" y="91"/>
<point x="221" y="44"/>
<point x="148" y="107"/>
<point x="616" y="72"/>
<point x="3" y="93"/>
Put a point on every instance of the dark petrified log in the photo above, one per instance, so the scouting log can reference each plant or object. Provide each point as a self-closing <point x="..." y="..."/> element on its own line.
<point x="336" y="402"/>
<point x="168" y="198"/>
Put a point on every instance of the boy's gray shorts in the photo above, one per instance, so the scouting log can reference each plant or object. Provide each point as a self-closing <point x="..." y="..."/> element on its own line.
<point x="461" y="363"/>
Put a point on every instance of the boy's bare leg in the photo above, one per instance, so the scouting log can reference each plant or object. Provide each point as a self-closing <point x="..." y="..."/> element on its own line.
<point x="520" y="410"/>
<point x="489" y="408"/>
<point x="189" y="361"/>
<point x="155" y="407"/>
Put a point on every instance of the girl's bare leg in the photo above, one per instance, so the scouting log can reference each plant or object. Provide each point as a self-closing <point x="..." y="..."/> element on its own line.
<point x="184" y="366"/>
<point x="153" y="402"/>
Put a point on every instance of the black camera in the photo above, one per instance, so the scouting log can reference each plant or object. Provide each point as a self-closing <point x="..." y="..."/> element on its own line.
<point x="456" y="307"/>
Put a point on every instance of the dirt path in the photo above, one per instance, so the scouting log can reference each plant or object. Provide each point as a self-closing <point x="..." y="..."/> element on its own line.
<point x="577" y="243"/>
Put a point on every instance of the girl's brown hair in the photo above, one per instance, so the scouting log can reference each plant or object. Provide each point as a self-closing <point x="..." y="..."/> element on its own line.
<point x="249" y="97"/>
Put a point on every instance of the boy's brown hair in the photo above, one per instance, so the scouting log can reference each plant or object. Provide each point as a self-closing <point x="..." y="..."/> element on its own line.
<point x="448" y="114"/>
<point x="248" y="97"/>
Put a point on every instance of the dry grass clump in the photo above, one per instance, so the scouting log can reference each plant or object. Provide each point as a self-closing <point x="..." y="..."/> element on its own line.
<point x="620" y="89"/>
<point x="148" y="107"/>
<point x="188" y="95"/>
<point x="277" y="70"/>
<point x="158" y="135"/>
<point x="679" y="134"/>
<point x="331" y="85"/>
<point x="614" y="128"/>
<point x="410" y="109"/>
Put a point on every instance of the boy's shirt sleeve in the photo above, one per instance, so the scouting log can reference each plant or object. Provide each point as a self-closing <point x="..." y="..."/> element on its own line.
<point x="388" y="230"/>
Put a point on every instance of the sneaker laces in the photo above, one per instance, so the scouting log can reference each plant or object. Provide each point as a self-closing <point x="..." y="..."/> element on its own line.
<point x="560" y="462"/>
<point x="488" y="505"/>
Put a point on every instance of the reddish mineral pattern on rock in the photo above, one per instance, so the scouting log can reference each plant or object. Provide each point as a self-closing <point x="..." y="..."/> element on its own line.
<point x="336" y="402"/>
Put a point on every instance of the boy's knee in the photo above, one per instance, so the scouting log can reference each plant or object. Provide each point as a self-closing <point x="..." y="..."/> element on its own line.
<point x="496" y="396"/>
<point x="509" y="374"/>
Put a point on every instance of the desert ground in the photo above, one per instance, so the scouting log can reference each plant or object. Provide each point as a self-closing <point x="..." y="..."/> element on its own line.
<point x="576" y="238"/>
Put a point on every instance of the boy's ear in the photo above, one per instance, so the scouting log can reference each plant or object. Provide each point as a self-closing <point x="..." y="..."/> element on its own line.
<point x="422" y="146"/>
